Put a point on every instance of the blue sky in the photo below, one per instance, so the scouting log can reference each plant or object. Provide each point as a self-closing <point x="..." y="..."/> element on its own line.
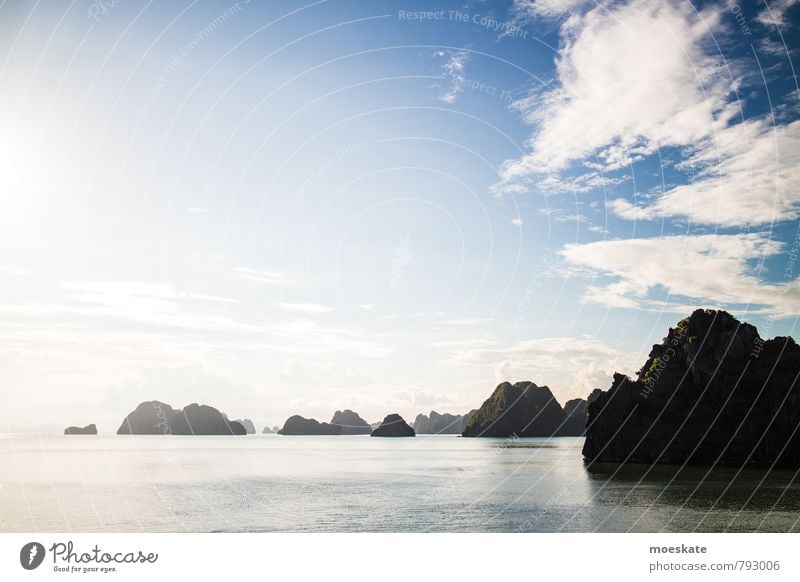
<point x="294" y="207"/>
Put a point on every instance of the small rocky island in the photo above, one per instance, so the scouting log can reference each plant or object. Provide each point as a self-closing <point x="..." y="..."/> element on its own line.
<point x="299" y="426"/>
<point x="442" y="423"/>
<point x="524" y="410"/>
<point x="713" y="392"/>
<point x="88" y="429"/>
<point x="155" y="417"/>
<point x="393" y="426"/>
<point x="249" y="427"/>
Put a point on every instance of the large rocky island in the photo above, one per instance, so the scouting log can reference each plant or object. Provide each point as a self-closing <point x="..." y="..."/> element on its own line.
<point x="155" y="417"/>
<point x="713" y="392"/>
<point x="393" y="426"/>
<point x="524" y="410"/>
<point x="300" y="426"/>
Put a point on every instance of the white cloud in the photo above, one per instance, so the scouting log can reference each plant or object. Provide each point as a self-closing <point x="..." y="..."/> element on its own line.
<point x="715" y="269"/>
<point x="454" y="71"/>
<point x="774" y="13"/>
<point x="630" y="78"/>
<point x="366" y="307"/>
<point x="748" y="173"/>
<point x="464" y="321"/>
<point x="266" y="277"/>
<point x="517" y="221"/>
<point x="309" y="308"/>
<point x="572" y="366"/>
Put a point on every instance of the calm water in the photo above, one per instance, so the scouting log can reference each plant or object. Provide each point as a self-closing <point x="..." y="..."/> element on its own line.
<point x="441" y="483"/>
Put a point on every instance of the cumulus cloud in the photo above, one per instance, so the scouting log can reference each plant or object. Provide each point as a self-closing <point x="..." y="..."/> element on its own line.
<point x="636" y="77"/>
<point x="591" y="362"/>
<point x="715" y="269"/>
<point x="748" y="173"/>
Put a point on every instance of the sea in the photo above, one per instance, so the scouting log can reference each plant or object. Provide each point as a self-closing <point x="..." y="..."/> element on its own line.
<point x="442" y="483"/>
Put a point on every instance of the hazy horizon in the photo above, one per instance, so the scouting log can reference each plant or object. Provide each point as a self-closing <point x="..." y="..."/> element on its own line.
<point x="295" y="208"/>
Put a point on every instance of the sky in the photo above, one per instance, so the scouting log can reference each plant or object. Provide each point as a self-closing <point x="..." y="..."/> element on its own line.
<point x="296" y="207"/>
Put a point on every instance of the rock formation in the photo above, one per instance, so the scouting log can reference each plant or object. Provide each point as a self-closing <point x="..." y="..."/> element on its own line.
<point x="575" y="424"/>
<point x="155" y="417"/>
<point x="393" y="426"/>
<point x="442" y="423"/>
<point x="522" y="409"/>
<point x="88" y="429"/>
<point x="712" y="392"/>
<point x="268" y="430"/>
<point x="350" y="423"/>
<point x="249" y="427"/>
<point x="199" y="419"/>
<point x="151" y="417"/>
<point x="297" y="425"/>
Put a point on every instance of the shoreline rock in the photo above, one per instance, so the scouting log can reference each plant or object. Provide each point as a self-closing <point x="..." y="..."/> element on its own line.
<point x="711" y="393"/>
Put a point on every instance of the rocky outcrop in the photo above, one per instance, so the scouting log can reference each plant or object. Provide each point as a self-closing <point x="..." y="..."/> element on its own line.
<point x="442" y="423"/>
<point x="268" y="430"/>
<point x="575" y="424"/>
<point x="88" y="429"/>
<point x="297" y="425"/>
<point x="199" y="419"/>
<point x="350" y="423"/>
<point x="249" y="427"/>
<point x="711" y="393"/>
<point x="151" y="417"/>
<point x="155" y="417"/>
<point x="522" y="409"/>
<point x="393" y="426"/>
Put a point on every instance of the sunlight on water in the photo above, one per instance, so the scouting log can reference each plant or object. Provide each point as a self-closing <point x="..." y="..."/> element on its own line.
<point x="440" y="483"/>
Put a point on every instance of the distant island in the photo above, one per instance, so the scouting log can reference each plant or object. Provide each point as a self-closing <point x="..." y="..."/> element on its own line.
<point x="442" y="423"/>
<point x="713" y="392"/>
<point x="393" y="426"/>
<point x="88" y="429"/>
<point x="525" y="410"/>
<point x="154" y="417"/>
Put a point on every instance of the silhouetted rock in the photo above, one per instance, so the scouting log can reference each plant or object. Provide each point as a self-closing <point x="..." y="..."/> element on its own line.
<point x="268" y="430"/>
<point x="522" y="409"/>
<point x="151" y="417"/>
<point x="249" y="427"/>
<point x="297" y="425"/>
<point x="713" y="392"/>
<point x="88" y="429"/>
<point x="350" y="423"/>
<point x="575" y="424"/>
<point x="199" y="419"/>
<point x="442" y="423"/>
<point x="393" y="426"/>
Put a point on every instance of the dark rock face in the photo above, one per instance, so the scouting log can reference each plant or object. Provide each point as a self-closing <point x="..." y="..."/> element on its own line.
<point x="575" y="424"/>
<point x="393" y="426"/>
<point x="713" y="392"/>
<point x="350" y="423"/>
<point x="199" y="419"/>
<point x="442" y="423"/>
<point x="151" y="417"/>
<point x="249" y="427"/>
<point x="297" y="425"/>
<point x="155" y="417"/>
<point x="522" y="409"/>
<point x="88" y="429"/>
